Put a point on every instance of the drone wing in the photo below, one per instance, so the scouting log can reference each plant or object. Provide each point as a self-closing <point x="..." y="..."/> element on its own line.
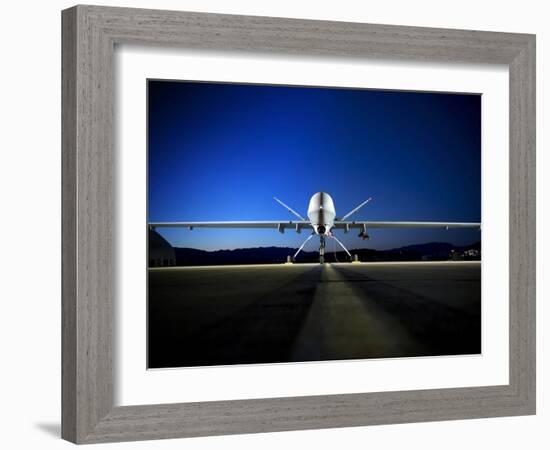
<point x="280" y="225"/>
<point x="360" y="224"/>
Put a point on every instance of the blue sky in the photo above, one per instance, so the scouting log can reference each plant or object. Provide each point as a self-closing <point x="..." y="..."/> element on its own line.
<point x="222" y="151"/>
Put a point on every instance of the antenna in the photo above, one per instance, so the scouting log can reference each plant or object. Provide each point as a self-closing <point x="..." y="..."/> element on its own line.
<point x="289" y="209"/>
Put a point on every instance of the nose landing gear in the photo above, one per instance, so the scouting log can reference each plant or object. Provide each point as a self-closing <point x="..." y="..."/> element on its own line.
<point x="322" y="249"/>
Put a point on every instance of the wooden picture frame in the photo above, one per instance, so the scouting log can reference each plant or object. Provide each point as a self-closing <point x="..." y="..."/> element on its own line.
<point x="89" y="37"/>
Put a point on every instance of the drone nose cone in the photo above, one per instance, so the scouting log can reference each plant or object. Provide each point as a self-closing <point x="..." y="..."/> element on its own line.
<point x="321" y="229"/>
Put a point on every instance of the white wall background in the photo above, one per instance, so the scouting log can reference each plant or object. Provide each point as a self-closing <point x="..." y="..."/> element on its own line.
<point x="31" y="208"/>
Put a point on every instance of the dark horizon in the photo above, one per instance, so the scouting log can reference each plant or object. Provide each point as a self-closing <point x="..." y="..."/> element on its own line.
<point x="221" y="151"/>
<point x="432" y="251"/>
<point x="352" y="249"/>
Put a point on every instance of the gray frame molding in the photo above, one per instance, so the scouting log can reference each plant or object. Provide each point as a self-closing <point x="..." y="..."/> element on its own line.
<point x="89" y="36"/>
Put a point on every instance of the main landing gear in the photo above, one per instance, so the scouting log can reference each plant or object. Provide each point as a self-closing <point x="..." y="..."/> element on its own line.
<point x="322" y="245"/>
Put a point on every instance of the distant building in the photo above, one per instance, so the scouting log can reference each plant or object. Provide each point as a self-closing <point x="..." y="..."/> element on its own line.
<point x="161" y="253"/>
<point x="471" y="254"/>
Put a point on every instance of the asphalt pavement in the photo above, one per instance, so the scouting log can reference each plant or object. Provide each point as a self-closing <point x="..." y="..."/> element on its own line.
<point x="202" y="316"/>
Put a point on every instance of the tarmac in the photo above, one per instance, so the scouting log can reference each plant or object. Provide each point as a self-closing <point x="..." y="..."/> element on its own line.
<point x="222" y="315"/>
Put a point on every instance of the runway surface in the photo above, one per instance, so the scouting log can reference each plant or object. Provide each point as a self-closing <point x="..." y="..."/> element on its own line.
<point x="307" y="312"/>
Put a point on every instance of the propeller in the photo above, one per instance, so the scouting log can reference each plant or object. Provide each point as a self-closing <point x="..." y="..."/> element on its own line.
<point x="289" y="209"/>
<point x="354" y="210"/>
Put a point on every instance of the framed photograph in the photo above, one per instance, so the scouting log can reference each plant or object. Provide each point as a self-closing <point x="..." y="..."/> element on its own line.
<point x="277" y="224"/>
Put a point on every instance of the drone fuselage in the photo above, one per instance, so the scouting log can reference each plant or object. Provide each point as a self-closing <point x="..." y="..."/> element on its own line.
<point x="321" y="213"/>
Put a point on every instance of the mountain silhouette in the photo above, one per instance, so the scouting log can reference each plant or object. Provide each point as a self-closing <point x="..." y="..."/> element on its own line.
<point x="431" y="251"/>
